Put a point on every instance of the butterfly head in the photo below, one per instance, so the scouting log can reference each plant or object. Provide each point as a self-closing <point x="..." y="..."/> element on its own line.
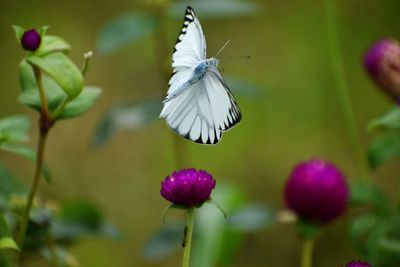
<point x="212" y="62"/>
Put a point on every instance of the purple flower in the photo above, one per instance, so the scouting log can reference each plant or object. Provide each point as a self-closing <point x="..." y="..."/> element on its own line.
<point x="31" y="40"/>
<point x="382" y="62"/>
<point x="317" y="191"/>
<point x="358" y="263"/>
<point x="188" y="187"/>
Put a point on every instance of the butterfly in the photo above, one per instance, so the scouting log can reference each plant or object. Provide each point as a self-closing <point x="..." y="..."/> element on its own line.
<point x="199" y="105"/>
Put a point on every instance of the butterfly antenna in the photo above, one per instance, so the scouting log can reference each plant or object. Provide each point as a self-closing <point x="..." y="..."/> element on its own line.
<point x="227" y="42"/>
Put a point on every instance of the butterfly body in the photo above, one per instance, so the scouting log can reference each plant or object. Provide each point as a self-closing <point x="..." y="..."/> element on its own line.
<point x="199" y="105"/>
<point x="198" y="72"/>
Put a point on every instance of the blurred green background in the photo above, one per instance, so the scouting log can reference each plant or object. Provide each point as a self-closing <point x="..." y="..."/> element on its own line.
<point x="294" y="118"/>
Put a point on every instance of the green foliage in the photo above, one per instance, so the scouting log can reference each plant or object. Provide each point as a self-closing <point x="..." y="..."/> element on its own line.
<point x="19" y="32"/>
<point x="385" y="147"/>
<point x="389" y="120"/>
<point x="252" y="217"/>
<point x="80" y="219"/>
<point x="163" y="242"/>
<point x="128" y="116"/>
<point x="13" y="129"/>
<point x="52" y="44"/>
<point x="125" y="30"/>
<point x="212" y="8"/>
<point x="62" y="70"/>
<point x="8" y="243"/>
<point x="367" y="193"/>
<point x="377" y="238"/>
<point x="9" y="185"/>
<point x="54" y="94"/>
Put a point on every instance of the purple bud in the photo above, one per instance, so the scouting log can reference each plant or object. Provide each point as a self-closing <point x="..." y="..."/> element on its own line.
<point x="188" y="187"/>
<point x="358" y="263"/>
<point x="31" y="40"/>
<point x="382" y="61"/>
<point x="317" y="191"/>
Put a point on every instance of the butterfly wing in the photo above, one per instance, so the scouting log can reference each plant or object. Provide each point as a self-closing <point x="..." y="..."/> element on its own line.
<point x="190" y="49"/>
<point x="204" y="111"/>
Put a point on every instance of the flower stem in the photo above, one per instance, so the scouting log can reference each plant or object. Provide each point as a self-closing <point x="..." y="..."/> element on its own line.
<point x="336" y="61"/>
<point x="45" y="123"/>
<point x="307" y="252"/>
<point x="187" y="240"/>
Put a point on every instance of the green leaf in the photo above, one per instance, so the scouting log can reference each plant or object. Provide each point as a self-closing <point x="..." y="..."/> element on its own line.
<point x="4" y="228"/>
<point x="26" y="77"/>
<point x="213" y="8"/>
<point x="79" y="219"/>
<point x="80" y="104"/>
<point x="8" y="243"/>
<point x="54" y="96"/>
<point x="367" y="193"/>
<point x="252" y="217"/>
<point x="390" y="120"/>
<point x="131" y="116"/>
<point x="19" y="31"/>
<point x="62" y="70"/>
<point x="29" y="154"/>
<point x="164" y="242"/>
<point x="125" y="30"/>
<point x="82" y="212"/>
<point x="52" y="44"/>
<point x="216" y="242"/>
<point x="245" y="88"/>
<point x="13" y="129"/>
<point x="9" y="185"/>
<point x="384" y="148"/>
<point x="64" y="258"/>
<point x="42" y="31"/>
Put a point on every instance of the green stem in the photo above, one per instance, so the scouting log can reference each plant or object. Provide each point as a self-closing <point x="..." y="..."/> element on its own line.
<point x="44" y="126"/>
<point x="59" y="108"/>
<point x="34" y="188"/>
<point x="336" y="61"/>
<point x="188" y="237"/>
<point x="307" y="252"/>
<point x="42" y="94"/>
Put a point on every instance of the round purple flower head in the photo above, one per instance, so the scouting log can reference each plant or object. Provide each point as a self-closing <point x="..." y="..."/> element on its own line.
<point x="358" y="263"/>
<point x="317" y="191"/>
<point x="31" y="40"/>
<point x="382" y="62"/>
<point x="189" y="187"/>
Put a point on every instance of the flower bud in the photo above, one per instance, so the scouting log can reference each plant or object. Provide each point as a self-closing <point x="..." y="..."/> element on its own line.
<point x="358" y="263"/>
<point x="31" y="40"/>
<point x="382" y="61"/>
<point x="188" y="188"/>
<point x="317" y="191"/>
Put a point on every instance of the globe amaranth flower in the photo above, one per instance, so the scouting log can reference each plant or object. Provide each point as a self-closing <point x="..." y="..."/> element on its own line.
<point x="188" y="187"/>
<point x="382" y="62"/>
<point x="317" y="191"/>
<point x="31" y="40"/>
<point x="358" y="263"/>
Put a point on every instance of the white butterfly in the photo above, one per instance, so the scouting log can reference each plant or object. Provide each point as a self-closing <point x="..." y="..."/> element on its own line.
<point x="199" y="105"/>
